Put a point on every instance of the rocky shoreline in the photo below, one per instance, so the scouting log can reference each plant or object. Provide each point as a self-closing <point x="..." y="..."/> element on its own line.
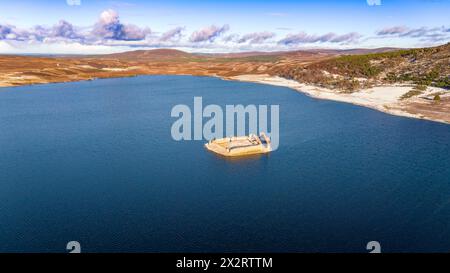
<point x="386" y="98"/>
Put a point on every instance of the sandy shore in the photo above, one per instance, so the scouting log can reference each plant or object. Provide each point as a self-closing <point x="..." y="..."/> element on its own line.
<point x="384" y="98"/>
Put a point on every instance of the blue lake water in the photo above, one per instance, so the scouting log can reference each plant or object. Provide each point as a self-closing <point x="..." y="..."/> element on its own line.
<point x="95" y="162"/>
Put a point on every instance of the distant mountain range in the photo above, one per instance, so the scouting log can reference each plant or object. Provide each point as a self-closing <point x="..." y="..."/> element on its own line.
<point x="154" y="54"/>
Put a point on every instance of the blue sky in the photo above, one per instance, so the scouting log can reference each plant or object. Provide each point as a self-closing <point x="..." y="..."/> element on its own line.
<point x="102" y="26"/>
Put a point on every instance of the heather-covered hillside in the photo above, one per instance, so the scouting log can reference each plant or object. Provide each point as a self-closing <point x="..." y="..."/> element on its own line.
<point x="423" y="67"/>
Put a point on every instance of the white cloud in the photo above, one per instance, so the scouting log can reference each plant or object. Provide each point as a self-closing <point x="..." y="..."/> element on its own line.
<point x="256" y="37"/>
<point x="173" y="34"/>
<point x="208" y="33"/>
<point x="304" y="38"/>
<point x="424" y="34"/>
<point x="392" y="30"/>
<point x="110" y="34"/>
<point x="110" y="27"/>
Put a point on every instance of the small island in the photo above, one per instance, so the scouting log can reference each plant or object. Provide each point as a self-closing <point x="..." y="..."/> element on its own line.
<point x="240" y="146"/>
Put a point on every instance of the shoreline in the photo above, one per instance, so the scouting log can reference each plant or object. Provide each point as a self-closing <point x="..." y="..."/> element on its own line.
<point x="384" y="98"/>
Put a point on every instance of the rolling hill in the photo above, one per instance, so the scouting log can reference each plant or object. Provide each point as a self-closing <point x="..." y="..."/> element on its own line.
<point x="422" y="66"/>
